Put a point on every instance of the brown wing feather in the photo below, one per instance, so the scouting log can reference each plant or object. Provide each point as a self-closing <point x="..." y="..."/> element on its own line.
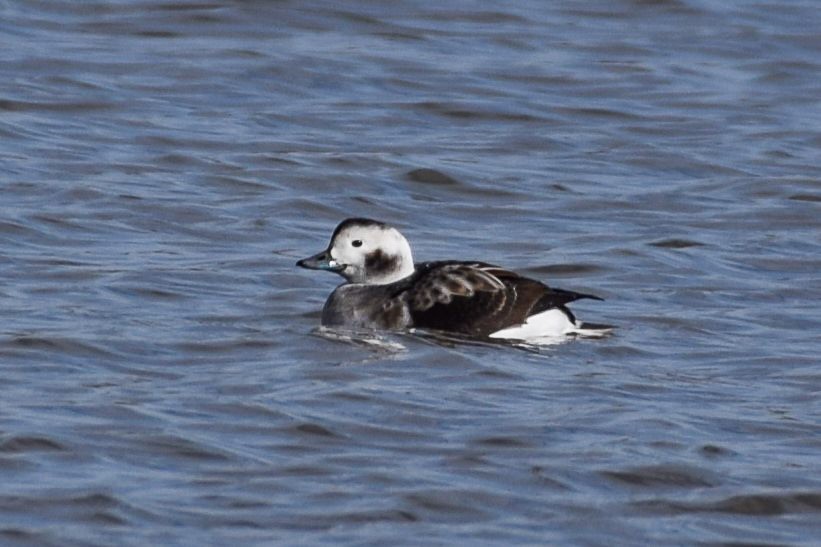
<point x="459" y="297"/>
<point x="475" y="298"/>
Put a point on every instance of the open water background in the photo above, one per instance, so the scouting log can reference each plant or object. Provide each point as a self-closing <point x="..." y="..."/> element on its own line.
<point x="163" y="164"/>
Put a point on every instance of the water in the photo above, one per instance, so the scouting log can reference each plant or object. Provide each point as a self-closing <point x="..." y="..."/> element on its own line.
<point x="164" y="164"/>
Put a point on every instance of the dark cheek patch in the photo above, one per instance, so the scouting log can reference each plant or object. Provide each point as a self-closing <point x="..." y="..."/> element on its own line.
<point x="378" y="262"/>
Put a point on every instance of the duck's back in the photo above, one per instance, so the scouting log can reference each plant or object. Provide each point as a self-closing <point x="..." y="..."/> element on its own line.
<point x="477" y="299"/>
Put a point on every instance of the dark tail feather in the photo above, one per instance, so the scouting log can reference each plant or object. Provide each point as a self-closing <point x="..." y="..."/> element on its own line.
<point x="557" y="298"/>
<point x="590" y="296"/>
<point x="570" y="296"/>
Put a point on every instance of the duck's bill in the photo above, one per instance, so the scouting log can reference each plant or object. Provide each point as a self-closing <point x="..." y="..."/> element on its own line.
<point x="321" y="261"/>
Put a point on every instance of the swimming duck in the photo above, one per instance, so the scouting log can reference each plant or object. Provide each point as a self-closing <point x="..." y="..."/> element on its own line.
<point x="384" y="289"/>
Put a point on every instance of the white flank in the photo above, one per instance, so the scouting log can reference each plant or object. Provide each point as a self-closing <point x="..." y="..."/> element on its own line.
<point x="552" y="322"/>
<point x="547" y="324"/>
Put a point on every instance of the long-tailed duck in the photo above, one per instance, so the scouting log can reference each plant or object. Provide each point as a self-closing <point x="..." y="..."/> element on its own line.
<point x="384" y="289"/>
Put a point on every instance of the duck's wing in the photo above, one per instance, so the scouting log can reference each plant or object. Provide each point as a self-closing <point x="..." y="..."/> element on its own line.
<point x="465" y="297"/>
<point x="473" y="298"/>
<point x="462" y="297"/>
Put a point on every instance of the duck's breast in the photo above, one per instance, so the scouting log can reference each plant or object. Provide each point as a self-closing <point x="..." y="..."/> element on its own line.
<point x="356" y="305"/>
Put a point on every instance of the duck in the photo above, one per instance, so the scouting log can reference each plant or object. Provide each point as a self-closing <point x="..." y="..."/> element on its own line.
<point x="385" y="290"/>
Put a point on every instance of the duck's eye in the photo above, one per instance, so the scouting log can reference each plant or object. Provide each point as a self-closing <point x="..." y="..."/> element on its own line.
<point x="356" y="242"/>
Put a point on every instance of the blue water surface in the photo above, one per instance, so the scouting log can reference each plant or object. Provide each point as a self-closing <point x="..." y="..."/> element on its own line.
<point x="164" y="164"/>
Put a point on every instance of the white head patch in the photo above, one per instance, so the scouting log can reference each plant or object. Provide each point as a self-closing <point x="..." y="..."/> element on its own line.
<point x="371" y="252"/>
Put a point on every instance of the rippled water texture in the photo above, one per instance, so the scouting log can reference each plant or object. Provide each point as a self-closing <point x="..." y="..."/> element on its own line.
<point x="163" y="165"/>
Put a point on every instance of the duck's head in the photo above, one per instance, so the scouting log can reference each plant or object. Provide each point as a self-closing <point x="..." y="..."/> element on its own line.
<point x="364" y="251"/>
